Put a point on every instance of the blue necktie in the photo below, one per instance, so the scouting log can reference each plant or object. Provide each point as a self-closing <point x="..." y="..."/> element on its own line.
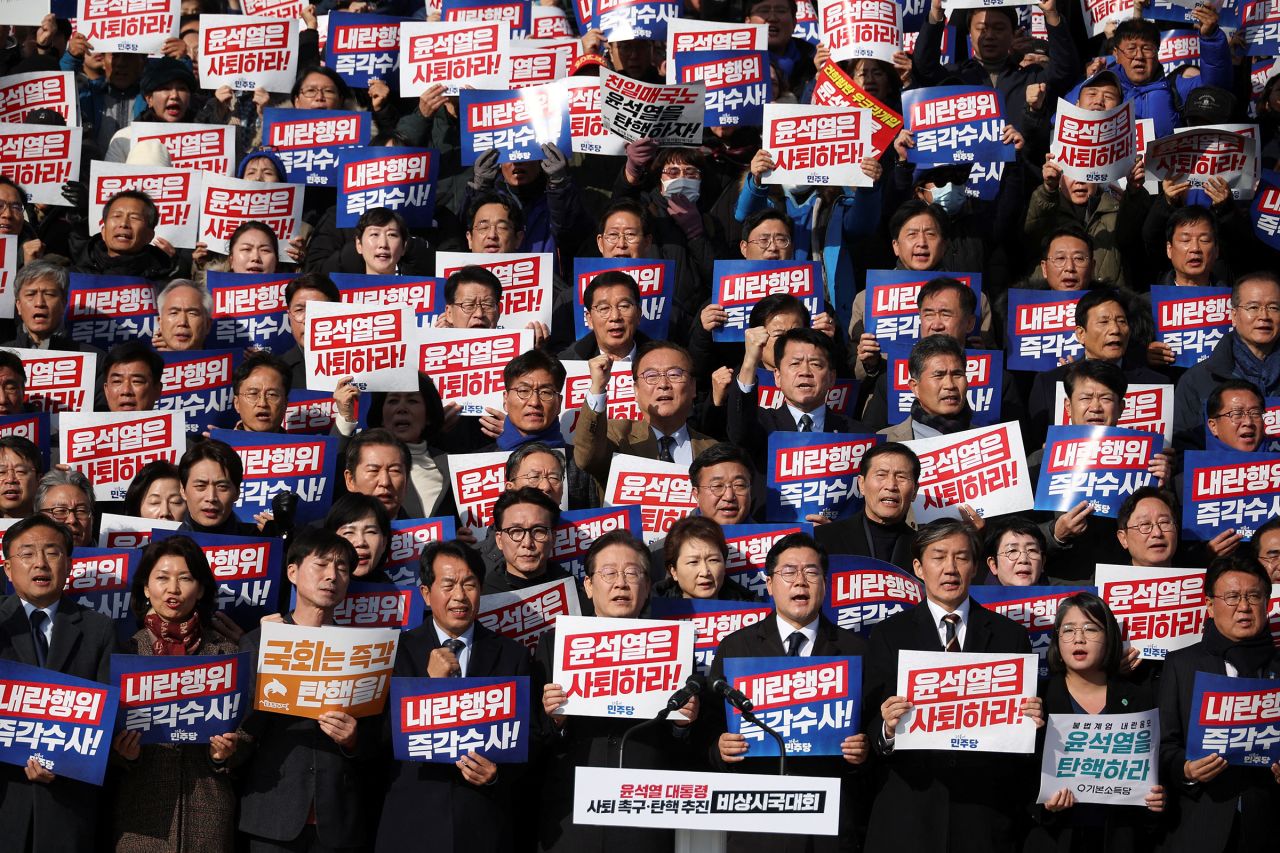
<point x="456" y="646"/>
<point x="38" y="618"/>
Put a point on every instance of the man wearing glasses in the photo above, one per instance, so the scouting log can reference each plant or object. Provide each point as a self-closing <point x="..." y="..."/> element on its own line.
<point x="1266" y="543"/>
<point x="1235" y="413"/>
<point x="663" y="375"/>
<point x="524" y="522"/>
<point x="1248" y="351"/>
<point x="611" y="301"/>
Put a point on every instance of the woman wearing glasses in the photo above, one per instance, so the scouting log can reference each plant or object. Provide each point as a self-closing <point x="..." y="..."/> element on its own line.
<point x="1015" y="552"/>
<point x="696" y="557"/>
<point x="1085" y="666"/>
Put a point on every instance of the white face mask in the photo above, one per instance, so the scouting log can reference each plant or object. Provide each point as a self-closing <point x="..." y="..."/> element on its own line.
<point x="690" y="188"/>
<point x="950" y="197"/>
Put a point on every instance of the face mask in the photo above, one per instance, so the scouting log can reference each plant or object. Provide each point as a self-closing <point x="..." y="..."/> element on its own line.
<point x="690" y="188"/>
<point x="799" y="192"/>
<point x="950" y="197"/>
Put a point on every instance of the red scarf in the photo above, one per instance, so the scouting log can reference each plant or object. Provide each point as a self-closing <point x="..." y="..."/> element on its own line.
<point x="174" y="638"/>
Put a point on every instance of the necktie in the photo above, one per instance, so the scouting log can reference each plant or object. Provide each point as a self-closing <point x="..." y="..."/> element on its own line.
<point x="952" y="621"/>
<point x="794" y="642"/>
<point x="806" y="424"/>
<point x="38" y="618"/>
<point x="456" y="646"/>
<point x="665" y="445"/>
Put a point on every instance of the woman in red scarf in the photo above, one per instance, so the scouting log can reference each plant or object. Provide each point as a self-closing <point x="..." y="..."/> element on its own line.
<point x="174" y="798"/>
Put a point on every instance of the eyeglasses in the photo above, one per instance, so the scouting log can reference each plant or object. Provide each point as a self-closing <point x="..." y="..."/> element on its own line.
<point x="524" y="392"/>
<point x="604" y="309"/>
<point x="629" y="237"/>
<point x="254" y="395"/>
<point x="611" y="575"/>
<point x="1145" y="528"/>
<point x="51" y="553"/>
<point x="535" y="477"/>
<point x="791" y="574"/>
<point x="687" y="172"/>
<point x="470" y="306"/>
<point x="782" y="241"/>
<point x="1238" y="415"/>
<point x="1077" y="259"/>
<point x="502" y="227"/>
<point x="674" y="375"/>
<point x="1091" y="633"/>
<point x="1233" y="599"/>
<point x="516" y="534"/>
<point x="12" y="206"/>
<point x="1031" y="552"/>
<point x="62" y="513"/>
<point x="740" y="487"/>
<point x="868" y="71"/>
<point x="1137" y="49"/>
<point x="1253" y="309"/>
<point x="317" y="92"/>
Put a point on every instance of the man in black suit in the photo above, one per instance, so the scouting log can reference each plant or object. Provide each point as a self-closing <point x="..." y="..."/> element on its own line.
<point x="40" y="627"/>
<point x="887" y="479"/>
<point x="957" y="802"/>
<point x="303" y="779"/>
<point x="805" y="370"/>
<point x="796" y="569"/>
<point x="1218" y="806"/>
<point x="470" y="803"/>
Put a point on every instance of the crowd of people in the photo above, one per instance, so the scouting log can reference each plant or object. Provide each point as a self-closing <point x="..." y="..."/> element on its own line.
<point x="283" y="783"/>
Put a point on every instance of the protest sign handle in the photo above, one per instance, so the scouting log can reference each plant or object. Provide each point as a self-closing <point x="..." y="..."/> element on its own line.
<point x="782" y="747"/>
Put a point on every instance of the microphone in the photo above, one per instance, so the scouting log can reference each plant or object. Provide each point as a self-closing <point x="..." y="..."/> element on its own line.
<point x="733" y="695"/>
<point x="692" y="687"/>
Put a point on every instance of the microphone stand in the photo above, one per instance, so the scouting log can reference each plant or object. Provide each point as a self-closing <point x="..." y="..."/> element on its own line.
<point x="660" y="718"/>
<point x="782" y="748"/>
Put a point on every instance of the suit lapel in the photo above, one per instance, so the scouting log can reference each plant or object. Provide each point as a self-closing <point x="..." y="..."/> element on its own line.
<point x="18" y="628"/>
<point x="484" y="652"/>
<point x="927" y="633"/>
<point x="769" y="639"/>
<point x="642" y="440"/>
<point x="66" y="634"/>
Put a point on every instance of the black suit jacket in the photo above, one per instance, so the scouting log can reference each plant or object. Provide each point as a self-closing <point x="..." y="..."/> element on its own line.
<point x="463" y="817"/>
<point x="761" y="640"/>
<point x="62" y="814"/>
<point x="1203" y="814"/>
<point x="750" y="426"/>
<point x="957" y="801"/>
<point x="849" y="536"/>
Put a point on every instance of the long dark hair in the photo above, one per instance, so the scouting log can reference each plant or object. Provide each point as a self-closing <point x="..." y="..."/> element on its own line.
<point x="1095" y="610"/>
<point x="175" y="546"/>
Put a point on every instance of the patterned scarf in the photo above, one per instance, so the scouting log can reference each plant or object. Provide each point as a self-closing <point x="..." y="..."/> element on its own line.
<point x="174" y="638"/>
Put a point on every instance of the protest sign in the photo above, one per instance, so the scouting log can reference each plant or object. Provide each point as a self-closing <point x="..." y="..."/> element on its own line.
<point x="198" y="147"/>
<point x="1178" y="47"/>
<point x="514" y="12"/>
<point x="1100" y="465"/>
<point x="64" y="722"/>
<point x="737" y="84"/>
<point x="624" y="20"/>
<point x="966" y="701"/>
<point x="985" y="468"/>
<point x="1159" y="610"/>
<point x="1196" y="154"/>
<point x="685" y="35"/>
<point x="34" y="427"/>
<point x="315" y="412"/>
<point x="9" y="249"/>
<point x="308" y="141"/>
<point x="182" y="699"/>
<point x="834" y="87"/>
<point x="478" y="480"/>
<point x="453" y="54"/>
<point x="817" y="145"/>
<point x="620" y="668"/>
<point x="101" y="579"/>
<point x="1096" y="147"/>
<point x="249" y="311"/>
<point x="39" y="90"/>
<point x="1035" y="608"/>
<point x="1228" y="489"/>
<point x="738" y="285"/>
<point x="228" y="203"/>
<point x="1041" y="329"/>
<point x="175" y="192"/>
<point x="139" y="26"/>
<point x="1112" y="759"/>
<point x="105" y="310"/>
<point x="579" y="528"/>
<point x="125" y="531"/>
<point x="1237" y="718"/>
<point x="40" y="159"/>
<point x="374" y="345"/>
<point x="467" y="364"/>
<point x="749" y="545"/>
<point x="712" y="619"/>
<point x="401" y="179"/>
<point x="841" y="398"/>
<point x="409" y="536"/>
<point x="424" y="295"/>
<point x="59" y="381"/>
<point x="620" y="394"/>
<point x="813" y="702"/>
<point x="198" y="384"/>
<point x="441" y="720"/>
<point x="861" y="29"/>
<point x="515" y="124"/>
<point x="1191" y="320"/>
<point x="1099" y="13"/>
<point x="1261" y="24"/>
<point x="669" y="115"/>
<point x="541" y="61"/>
<point x="956" y="124"/>
<point x="1265" y="210"/>
<point x="549" y="22"/>
<point x="892" y="310"/>
<point x="363" y="47"/>
<point x="586" y="126"/>
<point x="807" y="29"/>
<point x="526" y="278"/>
<point x="377" y="605"/>
<point x="814" y="473"/>
<point x="248" y="53"/>
<point x="24" y="13"/>
<point x="276" y="9"/>
<point x="984" y="389"/>
<point x="655" y="278"/>
<point x="248" y="570"/>
<point x="306" y="672"/>
<point x="111" y="447"/>
<point x="526" y="614"/>
<point x="1146" y="407"/>
<point x="661" y="489"/>
<point x="862" y="592"/>
<point x="274" y="463"/>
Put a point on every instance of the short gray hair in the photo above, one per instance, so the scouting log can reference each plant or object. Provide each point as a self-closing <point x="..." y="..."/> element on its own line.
<point x="206" y="299"/>
<point x="58" y="477"/>
<point x="41" y="271"/>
